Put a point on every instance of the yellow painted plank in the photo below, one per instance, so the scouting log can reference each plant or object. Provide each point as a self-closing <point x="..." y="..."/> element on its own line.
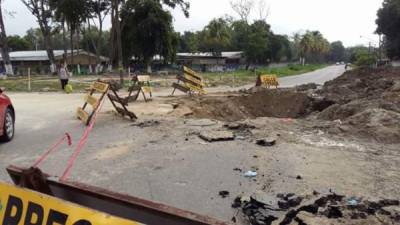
<point x="147" y="89"/>
<point x="100" y="86"/>
<point x="191" y="73"/>
<point x="33" y="206"/>
<point x="82" y="115"/>
<point x="195" y="88"/>
<point x="194" y="80"/>
<point x="91" y="100"/>
<point x="144" y="78"/>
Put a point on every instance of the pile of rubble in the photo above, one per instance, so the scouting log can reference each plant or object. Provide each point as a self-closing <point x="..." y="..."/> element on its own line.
<point x="362" y="102"/>
<point x="365" y="102"/>
<point x="316" y="209"/>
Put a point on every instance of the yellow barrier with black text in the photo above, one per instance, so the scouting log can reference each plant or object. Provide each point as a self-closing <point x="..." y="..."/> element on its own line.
<point x="20" y="206"/>
<point x="267" y="81"/>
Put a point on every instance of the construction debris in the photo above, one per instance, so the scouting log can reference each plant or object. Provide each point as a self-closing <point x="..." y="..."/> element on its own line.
<point x="285" y="209"/>
<point x="267" y="142"/>
<point x="250" y="173"/>
<point x="147" y="123"/>
<point x="365" y="101"/>
<point x="214" y="136"/>
<point x="224" y="194"/>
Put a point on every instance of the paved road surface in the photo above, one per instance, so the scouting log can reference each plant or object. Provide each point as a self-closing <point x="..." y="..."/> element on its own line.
<point x="319" y="76"/>
<point x="153" y="163"/>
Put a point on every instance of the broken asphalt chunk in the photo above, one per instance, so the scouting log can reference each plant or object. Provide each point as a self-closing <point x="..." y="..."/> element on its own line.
<point x="215" y="136"/>
<point x="224" y="194"/>
<point x="267" y="142"/>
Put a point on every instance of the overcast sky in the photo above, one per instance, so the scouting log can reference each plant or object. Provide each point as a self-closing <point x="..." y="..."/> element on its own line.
<point x="344" y="20"/>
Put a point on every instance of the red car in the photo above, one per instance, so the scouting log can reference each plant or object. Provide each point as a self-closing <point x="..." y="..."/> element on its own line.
<point x="7" y="118"/>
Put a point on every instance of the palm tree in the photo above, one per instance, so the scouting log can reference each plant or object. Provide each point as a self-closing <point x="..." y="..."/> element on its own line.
<point x="217" y="36"/>
<point x="312" y="43"/>
<point x="68" y="12"/>
<point x="4" y="45"/>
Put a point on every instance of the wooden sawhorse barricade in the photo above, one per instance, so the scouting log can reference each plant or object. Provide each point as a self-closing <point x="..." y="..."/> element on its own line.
<point x="102" y="89"/>
<point x="189" y="82"/>
<point x="140" y="85"/>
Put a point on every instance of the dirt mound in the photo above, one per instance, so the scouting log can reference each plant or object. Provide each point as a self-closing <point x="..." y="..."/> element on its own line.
<point x="367" y="103"/>
<point x="364" y="103"/>
<point x="263" y="103"/>
<point x="360" y="84"/>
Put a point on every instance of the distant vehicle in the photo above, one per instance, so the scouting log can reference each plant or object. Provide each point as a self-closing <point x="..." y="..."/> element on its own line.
<point x="338" y="63"/>
<point x="341" y="63"/>
<point x="7" y="118"/>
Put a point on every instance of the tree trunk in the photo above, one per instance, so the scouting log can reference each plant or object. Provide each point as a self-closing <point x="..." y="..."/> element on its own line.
<point x="4" y="45"/>
<point x="112" y="35"/>
<point x="49" y="47"/>
<point x="71" y="39"/>
<point x="77" y="47"/>
<point x="147" y="63"/>
<point x="65" y="43"/>
<point x="98" y="44"/>
<point x="116" y="29"/>
<point x="41" y="10"/>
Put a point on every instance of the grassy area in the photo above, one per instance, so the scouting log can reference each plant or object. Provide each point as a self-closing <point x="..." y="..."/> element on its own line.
<point x="79" y="84"/>
<point x="39" y="85"/>
<point x="241" y="77"/>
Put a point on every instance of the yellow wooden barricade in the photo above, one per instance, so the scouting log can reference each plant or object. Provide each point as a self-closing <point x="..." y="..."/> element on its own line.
<point x="268" y="81"/>
<point x="92" y="100"/>
<point x="189" y="82"/>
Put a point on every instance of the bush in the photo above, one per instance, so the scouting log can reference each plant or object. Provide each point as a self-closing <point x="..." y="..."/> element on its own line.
<point x="364" y="58"/>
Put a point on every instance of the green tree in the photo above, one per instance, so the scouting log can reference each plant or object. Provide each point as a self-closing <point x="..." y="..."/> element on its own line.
<point x="16" y="43"/>
<point x="89" y="44"/>
<point x="43" y="13"/>
<point x="258" y="43"/>
<point x="216" y="37"/>
<point x="116" y="53"/>
<point x="389" y="25"/>
<point x="99" y="10"/>
<point x="351" y="53"/>
<point x="67" y="11"/>
<point x="337" y="52"/>
<point x="188" y="42"/>
<point x="363" y="57"/>
<point x="240" y="35"/>
<point x="148" y="31"/>
<point x="35" y="38"/>
<point x="279" y="48"/>
<point x="312" y="46"/>
<point x="4" y="44"/>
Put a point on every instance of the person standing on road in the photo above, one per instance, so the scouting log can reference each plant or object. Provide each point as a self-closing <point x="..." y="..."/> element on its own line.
<point x="64" y="75"/>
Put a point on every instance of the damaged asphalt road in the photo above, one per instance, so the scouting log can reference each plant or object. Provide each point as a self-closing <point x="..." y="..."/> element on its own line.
<point x="162" y="158"/>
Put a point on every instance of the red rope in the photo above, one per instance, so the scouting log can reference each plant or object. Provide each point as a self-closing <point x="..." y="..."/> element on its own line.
<point x="80" y="146"/>
<point x="54" y="147"/>
<point x="42" y="158"/>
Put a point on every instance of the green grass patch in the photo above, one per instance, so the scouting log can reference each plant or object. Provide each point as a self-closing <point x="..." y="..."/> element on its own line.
<point x="39" y="85"/>
<point x="241" y="77"/>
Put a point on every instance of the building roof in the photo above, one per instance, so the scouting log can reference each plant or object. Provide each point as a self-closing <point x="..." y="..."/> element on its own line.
<point x="42" y="55"/>
<point x="228" y="55"/>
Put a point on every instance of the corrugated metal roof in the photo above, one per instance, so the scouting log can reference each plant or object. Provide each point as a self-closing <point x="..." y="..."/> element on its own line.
<point x="230" y="55"/>
<point x="42" y="55"/>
